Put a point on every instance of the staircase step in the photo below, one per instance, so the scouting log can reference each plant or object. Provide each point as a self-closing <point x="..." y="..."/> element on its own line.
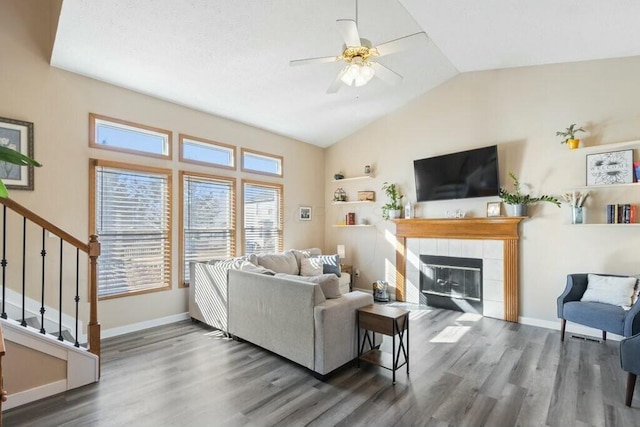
<point x="34" y="322"/>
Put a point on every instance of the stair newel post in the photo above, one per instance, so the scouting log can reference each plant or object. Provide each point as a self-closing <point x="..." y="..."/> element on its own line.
<point x="60" y="337"/>
<point x="94" y="326"/>
<point x="24" y="268"/>
<point x="4" y="260"/>
<point x="43" y="253"/>
<point x="77" y="298"/>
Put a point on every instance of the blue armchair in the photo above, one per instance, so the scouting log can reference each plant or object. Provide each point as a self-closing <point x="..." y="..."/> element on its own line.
<point x="606" y="317"/>
<point x="630" y="362"/>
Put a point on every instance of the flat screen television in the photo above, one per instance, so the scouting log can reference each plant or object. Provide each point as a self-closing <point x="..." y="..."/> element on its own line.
<point x="462" y="175"/>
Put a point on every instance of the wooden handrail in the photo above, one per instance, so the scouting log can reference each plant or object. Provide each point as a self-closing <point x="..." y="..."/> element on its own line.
<point x="18" y="208"/>
<point x="3" y="393"/>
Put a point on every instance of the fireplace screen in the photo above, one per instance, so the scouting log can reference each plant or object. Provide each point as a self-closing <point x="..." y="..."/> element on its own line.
<point x="451" y="277"/>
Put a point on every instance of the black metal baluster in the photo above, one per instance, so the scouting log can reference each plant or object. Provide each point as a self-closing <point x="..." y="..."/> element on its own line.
<point x="24" y="266"/>
<point x="43" y="253"/>
<point x="77" y="298"/>
<point x="60" y="338"/>
<point x="4" y="259"/>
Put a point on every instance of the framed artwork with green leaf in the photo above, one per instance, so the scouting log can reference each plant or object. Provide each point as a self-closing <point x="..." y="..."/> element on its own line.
<point x="16" y="142"/>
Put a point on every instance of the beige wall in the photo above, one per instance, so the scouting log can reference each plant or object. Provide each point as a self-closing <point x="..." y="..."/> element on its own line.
<point x="519" y="110"/>
<point x="28" y="368"/>
<point x="59" y="102"/>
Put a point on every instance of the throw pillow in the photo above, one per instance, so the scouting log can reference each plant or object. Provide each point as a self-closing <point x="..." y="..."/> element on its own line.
<point x="328" y="283"/>
<point x="280" y="263"/>
<point x="311" y="267"/>
<point x="610" y="290"/>
<point x="305" y="253"/>
<point x="330" y="264"/>
<point x="252" y="268"/>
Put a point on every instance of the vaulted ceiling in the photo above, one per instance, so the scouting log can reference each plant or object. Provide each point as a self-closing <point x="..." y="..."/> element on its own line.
<point x="231" y="58"/>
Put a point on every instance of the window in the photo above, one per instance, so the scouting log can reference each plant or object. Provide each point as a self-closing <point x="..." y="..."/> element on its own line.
<point x="118" y="135"/>
<point x="131" y="213"/>
<point x="262" y="213"/>
<point x="205" y="152"/>
<point x="208" y="219"/>
<point x="262" y="163"/>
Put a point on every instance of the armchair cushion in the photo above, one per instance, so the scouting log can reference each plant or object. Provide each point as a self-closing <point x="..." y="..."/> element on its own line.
<point x="605" y="317"/>
<point x="617" y="291"/>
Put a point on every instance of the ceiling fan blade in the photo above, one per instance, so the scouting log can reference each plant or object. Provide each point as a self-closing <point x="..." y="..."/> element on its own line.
<point x="411" y="42"/>
<point x="314" y="60"/>
<point x="385" y="74"/>
<point x="335" y="85"/>
<point x="349" y="32"/>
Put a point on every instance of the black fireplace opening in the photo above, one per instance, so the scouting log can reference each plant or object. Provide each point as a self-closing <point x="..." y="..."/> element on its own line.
<point x="451" y="282"/>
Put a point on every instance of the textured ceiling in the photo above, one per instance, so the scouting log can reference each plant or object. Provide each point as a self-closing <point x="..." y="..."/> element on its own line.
<point x="231" y="58"/>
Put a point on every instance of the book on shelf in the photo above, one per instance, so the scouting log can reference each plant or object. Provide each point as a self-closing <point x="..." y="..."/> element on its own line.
<point x="621" y="214"/>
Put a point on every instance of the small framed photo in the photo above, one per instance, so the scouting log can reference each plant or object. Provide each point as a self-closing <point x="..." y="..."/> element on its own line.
<point x="615" y="167"/>
<point x="366" y="196"/>
<point x="18" y="136"/>
<point x="304" y="213"/>
<point x="493" y="208"/>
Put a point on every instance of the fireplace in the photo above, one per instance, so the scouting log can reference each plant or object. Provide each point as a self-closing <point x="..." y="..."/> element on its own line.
<point x="454" y="283"/>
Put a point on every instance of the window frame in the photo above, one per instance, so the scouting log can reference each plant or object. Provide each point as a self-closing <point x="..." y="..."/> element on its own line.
<point x="232" y="148"/>
<point x="94" y="144"/>
<point x="93" y="164"/>
<point x="278" y="186"/>
<point x="181" y="256"/>
<point x="280" y="159"/>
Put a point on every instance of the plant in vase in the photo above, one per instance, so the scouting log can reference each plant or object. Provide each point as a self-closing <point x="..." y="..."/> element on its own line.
<point x="569" y="135"/>
<point x="9" y="155"/>
<point x="518" y="201"/>
<point x="394" y="207"/>
<point x="576" y="201"/>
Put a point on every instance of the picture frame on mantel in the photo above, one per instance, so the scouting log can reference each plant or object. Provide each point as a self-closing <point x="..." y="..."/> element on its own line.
<point x="615" y="167"/>
<point x="17" y="135"/>
<point x="493" y="209"/>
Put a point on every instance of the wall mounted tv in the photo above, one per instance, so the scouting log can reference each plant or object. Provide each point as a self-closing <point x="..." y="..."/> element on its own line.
<point x="467" y="174"/>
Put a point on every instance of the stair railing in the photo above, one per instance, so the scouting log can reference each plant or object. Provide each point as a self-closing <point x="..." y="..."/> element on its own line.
<point x="92" y="249"/>
<point x="3" y="393"/>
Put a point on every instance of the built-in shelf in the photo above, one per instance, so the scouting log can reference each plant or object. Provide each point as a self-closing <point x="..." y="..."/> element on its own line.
<point x="355" y="178"/>
<point x="355" y="202"/>
<point x="351" y="226"/>
<point x="608" y="147"/>
<point x="606" y="186"/>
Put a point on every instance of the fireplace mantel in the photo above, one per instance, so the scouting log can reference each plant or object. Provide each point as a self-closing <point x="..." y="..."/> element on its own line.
<point x="492" y="228"/>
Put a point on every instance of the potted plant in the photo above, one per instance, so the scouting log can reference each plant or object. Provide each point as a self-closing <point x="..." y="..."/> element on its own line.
<point x="393" y="208"/>
<point x="517" y="201"/>
<point x="569" y="135"/>
<point x="9" y="155"/>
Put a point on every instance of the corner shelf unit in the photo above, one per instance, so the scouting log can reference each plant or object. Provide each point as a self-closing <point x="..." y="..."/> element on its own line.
<point x="632" y="186"/>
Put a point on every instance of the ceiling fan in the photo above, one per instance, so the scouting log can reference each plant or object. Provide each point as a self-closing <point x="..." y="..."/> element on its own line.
<point x="360" y="57"/>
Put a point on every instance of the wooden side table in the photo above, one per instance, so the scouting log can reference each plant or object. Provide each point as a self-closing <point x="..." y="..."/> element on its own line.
<point x="390" y="321"/>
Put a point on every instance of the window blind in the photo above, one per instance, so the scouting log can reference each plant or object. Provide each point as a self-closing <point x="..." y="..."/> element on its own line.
<point x="208" y="220"/>
<point x="133" y="220"/>
<point x="263" y="206"/>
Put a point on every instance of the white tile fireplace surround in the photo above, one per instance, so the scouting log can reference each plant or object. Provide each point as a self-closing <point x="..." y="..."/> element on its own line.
<point x="491" y="252"/>
<point x="494" y="240"/>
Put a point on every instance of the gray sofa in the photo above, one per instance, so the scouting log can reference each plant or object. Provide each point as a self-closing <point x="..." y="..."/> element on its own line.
<point x="282" y="313"/>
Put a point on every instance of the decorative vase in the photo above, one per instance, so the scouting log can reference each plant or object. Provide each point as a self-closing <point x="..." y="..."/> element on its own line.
<point x="573" y="143"/>
<point x="516" y="210"/>
<point x="577" y="215"/>
<point x="394" y="213"/>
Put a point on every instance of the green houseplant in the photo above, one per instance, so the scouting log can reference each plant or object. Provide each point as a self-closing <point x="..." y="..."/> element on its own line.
<point x="393" y="208"/>
<point x="9" y="155"/>
<point x="518" y="201"/>
<point x="569" y="135"/>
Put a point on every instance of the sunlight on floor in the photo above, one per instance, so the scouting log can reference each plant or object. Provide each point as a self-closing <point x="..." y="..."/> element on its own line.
<point x="469" y="317"/>
<point x="450" y="334"/>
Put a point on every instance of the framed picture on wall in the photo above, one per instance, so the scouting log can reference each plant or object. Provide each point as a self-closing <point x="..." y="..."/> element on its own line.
<point x="615" y="167"/>
<point x="304" y="213"/>
<point x="17" y="135"/>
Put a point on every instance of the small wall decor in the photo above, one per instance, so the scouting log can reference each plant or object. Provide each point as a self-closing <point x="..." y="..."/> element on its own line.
<point x="366" y="196"/>
<point x="304" y="213"/>
<point x="339" y="195"/>
<point x="614" y="167"/>
<point x="17" y="135"/>
<point x="493" y="208"/>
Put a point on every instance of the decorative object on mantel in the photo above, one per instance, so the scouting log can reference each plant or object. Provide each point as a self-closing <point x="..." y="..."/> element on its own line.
<point x="576" y="201"/>
<point x="393" y="208"/>
<point x="408" y="210"/>
<point x="340" y="195"/>
<point x="338" y="176"/>
<point x="517" y="202"/>
<point x="493" y="208"/>
<point x="615" y="167"/>
<point x="16" y="148"/>
<point x="458" y="213"/>
<point x="569" y="135"/>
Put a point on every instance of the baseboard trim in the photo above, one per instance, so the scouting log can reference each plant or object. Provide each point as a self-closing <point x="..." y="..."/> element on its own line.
<point x="134" y="327"/>
<point x="571" y="328"/>
<point x="22" y="398"/>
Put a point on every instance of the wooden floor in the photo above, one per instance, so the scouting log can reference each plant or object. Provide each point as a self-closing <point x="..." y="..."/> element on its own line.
<point x="464" y="372"/>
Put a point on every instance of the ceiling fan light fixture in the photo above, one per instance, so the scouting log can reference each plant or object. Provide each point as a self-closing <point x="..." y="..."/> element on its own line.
<point x="357" y="73"/>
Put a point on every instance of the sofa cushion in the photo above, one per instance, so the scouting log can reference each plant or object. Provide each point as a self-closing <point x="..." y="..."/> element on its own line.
<point x="311" y="267"/>
<point x="328" y="283"/>
<point x="305" y="253"/>
<point x="252" y="268"/>
<point x="330" y="263"/>
<point x="280" y="263"/>
<point x="617" y="291"/>
<point x="605" y="317"/>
